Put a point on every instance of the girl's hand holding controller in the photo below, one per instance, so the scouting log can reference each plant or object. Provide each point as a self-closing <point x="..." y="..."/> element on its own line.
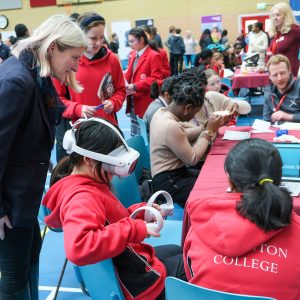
<point x="158" y="207"/>
<point x="150" y="231"/>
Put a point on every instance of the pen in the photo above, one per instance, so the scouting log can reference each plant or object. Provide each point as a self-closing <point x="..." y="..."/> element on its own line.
<point x="99" y="106"/>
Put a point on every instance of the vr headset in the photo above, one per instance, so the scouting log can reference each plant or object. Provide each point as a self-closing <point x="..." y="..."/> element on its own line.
<point x="121" y="161"/>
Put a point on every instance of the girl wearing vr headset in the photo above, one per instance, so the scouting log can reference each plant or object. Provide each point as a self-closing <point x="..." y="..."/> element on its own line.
<point x="29" y="111"/>
<point x="96" y="225"/>
<point x="99" y="73"/>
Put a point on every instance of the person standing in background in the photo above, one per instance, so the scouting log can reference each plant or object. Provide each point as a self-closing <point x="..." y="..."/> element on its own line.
<point x="167" y="44"/>
<point x="177" y="48"/>
<point x="99" y="73"/>
<point x="29" y="111"/>
<point x="258" y="42"/>
<point x="190" y="49"/>
<point x="205" y="39"/>
<point x="21" y="31"/>
<point x="4" y="50"/>
<point x="156" y="37"/>
<point x="224" y="39"/>
<point x="114" y="43"/>
<point x="286" y="34"/>
<point x="144" y="67"/>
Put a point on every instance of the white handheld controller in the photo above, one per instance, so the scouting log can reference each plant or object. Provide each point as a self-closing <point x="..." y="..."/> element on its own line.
<point x="155" y="226"/>
<point x="166" y="208"/>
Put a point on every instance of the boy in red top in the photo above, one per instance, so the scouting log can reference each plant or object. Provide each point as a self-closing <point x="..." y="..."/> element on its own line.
<point x="217" y="62"/>
<point x="246" y="241"/>
<point x="100" y="75"/>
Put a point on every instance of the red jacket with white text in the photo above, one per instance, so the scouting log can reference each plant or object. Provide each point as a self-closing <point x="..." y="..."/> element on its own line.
<point x="89" y="75"/>
<point x="227" y="252"/>
<point x="148" y="69"/>
<point x="97" y="226"/>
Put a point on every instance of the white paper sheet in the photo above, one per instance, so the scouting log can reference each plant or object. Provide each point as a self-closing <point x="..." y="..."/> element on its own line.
<point x="261" y="126"/>
<point x="234" y="135"/>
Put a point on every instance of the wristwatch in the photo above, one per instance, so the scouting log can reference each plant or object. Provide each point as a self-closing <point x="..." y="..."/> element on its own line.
<point x="209" y="132"/>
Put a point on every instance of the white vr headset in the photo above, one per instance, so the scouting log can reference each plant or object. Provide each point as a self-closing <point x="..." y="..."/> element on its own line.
<point x="121" y="161"/>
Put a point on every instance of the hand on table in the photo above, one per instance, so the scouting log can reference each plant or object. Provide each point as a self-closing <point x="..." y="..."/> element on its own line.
<point x="281" y="116"/>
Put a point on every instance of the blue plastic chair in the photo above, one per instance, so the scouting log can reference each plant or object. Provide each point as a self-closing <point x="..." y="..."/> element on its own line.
<point x="177" y="289"/>
<point x="170" y="234"/>
<point x="99" y="281"/>
<point x="126" y="189"/>
<point x="143" y="130"/>
<point x="137" y="143"/>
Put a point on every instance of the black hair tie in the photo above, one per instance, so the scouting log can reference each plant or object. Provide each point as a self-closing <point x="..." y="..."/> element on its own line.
<point x="87" y="21"/>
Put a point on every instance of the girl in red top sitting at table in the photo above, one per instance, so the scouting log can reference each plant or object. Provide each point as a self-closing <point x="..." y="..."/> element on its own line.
<point x="217" y="62"/>
<point x="251" y="234"/>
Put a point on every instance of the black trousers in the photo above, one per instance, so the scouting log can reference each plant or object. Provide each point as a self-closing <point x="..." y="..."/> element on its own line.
<point x="172" y="258"/>
<point x="18" y="252"/>
<point x="177" y="60"/>
<point x="60" y="131"/>
<point x="178" y="183"/>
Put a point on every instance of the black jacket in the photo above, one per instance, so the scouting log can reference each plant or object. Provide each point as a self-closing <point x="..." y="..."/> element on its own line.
<point x="25" y="143"/>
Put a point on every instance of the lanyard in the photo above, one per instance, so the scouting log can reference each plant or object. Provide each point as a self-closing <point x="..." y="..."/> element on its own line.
<point x="275" y="41"/>
<point x="276" y="108"/>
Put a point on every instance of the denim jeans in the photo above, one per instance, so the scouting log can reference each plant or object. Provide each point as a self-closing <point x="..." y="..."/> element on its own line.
<point x="18" y="252"/>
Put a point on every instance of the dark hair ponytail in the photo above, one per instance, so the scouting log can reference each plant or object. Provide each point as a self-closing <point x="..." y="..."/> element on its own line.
<point x="62" y="169"/>
<point x="255" y="167"/>
<point x="154" y="90"/>
<point x="166" y="87"/>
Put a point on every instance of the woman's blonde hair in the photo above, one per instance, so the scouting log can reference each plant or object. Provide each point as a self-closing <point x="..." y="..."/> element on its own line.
<point x="59" y="29"/>
<point x="288" y="18"/>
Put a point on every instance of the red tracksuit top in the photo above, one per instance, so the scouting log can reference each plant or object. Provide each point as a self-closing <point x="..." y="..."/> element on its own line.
<point x="227" y="252"/>
<point x="82" y="207"/>
<point x="89" y="76"/>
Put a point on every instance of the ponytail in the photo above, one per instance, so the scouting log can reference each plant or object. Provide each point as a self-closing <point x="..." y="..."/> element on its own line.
<point x="268" y="206"/>
<point x="254" y="167"/>
<point x="62" y="169"/>
<point x="154" y="90"/>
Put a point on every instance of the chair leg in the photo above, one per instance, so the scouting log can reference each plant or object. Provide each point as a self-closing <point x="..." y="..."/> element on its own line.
<point x="60" y="278"/>
<point x="44" y="233"/>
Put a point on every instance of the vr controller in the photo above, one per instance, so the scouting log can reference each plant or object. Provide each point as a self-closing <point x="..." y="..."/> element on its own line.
<point x="166" y="208"/>
<point x="155" y="226"/>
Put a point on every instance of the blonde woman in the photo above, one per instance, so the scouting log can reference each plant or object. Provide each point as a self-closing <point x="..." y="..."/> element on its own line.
<point x="29" y="109"/>
<point x="286" y="34"/>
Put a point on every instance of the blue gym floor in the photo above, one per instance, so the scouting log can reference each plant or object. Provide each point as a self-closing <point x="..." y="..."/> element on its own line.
<point x="53" y="255"/>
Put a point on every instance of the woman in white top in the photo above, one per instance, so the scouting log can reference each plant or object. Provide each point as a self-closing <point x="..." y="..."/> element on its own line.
<point x="190" y="49"/>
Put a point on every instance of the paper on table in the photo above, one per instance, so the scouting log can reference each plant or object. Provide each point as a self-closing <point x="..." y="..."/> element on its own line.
<point x="290" y="125"/>
<point x="234" y="135"/>
<point x="260" y="126"/>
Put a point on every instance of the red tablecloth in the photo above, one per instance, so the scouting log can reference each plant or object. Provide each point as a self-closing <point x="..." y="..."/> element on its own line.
<point x="212" y="178"/>
<point x="249" y="80"/>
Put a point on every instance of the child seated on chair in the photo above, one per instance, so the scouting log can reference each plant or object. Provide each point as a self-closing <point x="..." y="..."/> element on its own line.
<point x="162" y="98"/>
<point x="246" y="241"/>
<point x="216" y="100"/>
<point x="95" y="223"/>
